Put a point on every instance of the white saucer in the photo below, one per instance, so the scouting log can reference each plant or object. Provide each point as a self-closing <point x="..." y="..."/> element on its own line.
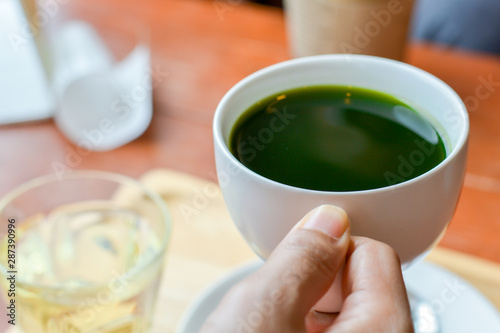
<point x="461" y="308"/>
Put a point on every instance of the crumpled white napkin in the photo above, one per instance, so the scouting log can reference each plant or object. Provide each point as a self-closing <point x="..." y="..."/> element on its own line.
<point x="102" y="104"/>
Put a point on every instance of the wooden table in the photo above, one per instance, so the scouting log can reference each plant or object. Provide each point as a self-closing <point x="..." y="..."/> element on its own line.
<point x="199" y="50"/>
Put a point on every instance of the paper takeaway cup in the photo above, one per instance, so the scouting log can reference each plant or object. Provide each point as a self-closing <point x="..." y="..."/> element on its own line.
<point x="371" y="27"/>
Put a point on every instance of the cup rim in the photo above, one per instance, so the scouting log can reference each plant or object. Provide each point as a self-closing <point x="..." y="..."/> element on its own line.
<point x="219" y="116"/>
<point x="97" y="175"/>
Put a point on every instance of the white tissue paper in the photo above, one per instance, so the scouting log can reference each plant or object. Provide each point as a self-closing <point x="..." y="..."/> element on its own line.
<point x="102" y="104"/>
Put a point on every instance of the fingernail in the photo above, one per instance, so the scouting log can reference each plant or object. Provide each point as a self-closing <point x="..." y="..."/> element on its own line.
<point x="328" y="219"/>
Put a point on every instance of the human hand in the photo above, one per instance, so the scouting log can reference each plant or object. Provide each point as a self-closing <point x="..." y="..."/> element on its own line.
<point x="279" y="297"/>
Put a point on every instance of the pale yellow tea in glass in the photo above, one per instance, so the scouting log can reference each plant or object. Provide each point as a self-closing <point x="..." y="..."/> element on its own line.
<point x="89" y="259"/>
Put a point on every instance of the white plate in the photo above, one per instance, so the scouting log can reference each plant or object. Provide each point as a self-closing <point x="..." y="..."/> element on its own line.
<point x="461" y="308"/>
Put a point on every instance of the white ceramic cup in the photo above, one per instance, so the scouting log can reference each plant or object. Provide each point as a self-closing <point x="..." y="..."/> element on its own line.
<point x="409" y="216"/>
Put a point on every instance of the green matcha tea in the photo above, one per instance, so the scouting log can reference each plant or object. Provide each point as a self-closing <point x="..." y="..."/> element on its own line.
<point x="335" y="138"/>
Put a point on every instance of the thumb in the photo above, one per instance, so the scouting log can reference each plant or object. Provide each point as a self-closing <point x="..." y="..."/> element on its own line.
<point x="304" y="265"/>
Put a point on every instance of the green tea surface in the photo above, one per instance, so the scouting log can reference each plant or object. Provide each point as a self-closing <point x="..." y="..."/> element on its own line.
<point x="335" y="138"/>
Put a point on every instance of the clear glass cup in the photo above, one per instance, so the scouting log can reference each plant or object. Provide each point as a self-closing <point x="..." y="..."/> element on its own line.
<point x="98" y="63"/>
<point x="82" y="253"/>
